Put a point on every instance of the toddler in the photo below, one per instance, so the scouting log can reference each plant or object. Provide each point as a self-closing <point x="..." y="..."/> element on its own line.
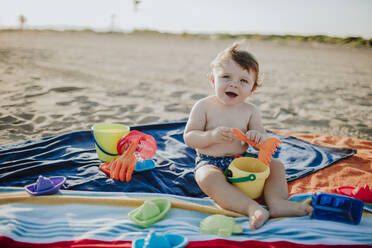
<point x="234" y="78"/>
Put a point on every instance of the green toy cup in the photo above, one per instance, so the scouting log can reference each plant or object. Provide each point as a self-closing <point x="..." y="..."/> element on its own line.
<point x="106" y="137"/>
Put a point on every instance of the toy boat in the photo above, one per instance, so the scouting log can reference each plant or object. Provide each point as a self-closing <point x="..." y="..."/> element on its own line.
<point x="45" y="185"/>
<point x="149" y="212"/>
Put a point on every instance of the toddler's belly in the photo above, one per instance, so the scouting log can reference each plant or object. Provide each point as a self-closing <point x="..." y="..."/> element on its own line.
<point x="222" y="150"/>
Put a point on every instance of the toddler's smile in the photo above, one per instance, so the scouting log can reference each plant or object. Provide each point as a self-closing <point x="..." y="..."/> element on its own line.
<point x="231" y="94"/>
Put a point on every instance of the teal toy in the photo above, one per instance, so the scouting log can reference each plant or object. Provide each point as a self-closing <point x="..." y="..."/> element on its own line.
<point x="220" y="224"/>
<point x="144" y="165"/>
<point x="149" y="212"/>
<point x="153" y="240"/>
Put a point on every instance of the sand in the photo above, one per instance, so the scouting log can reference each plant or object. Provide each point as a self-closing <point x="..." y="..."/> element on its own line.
<point x="57" y="82"/>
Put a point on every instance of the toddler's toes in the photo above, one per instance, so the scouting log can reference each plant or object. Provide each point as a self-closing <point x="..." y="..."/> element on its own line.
<point x="308" y="209"/>
<point x="258" y="219"/>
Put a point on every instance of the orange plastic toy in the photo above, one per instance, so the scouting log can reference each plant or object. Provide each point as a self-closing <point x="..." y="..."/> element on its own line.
<point x="122" y="168"/>
<point x="267" y="148"/>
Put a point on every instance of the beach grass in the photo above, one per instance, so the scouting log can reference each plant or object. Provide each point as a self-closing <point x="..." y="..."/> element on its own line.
<point x="354" y="41"/>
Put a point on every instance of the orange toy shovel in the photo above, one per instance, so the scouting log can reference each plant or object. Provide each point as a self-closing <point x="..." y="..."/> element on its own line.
<point x="267" y="148"/>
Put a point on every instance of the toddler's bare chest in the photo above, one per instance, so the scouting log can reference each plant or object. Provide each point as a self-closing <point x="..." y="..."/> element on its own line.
<point x="237" y="119"/>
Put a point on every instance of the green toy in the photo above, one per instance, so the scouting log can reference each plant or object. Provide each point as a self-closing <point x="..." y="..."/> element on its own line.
<point x="150" y="211"/>
<point x="220" y="224"/>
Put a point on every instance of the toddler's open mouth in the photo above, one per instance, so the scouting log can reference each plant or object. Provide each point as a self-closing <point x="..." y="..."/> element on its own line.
<point x="231" y="94"/>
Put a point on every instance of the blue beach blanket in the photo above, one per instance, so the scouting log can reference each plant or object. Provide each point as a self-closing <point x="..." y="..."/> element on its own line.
<point x="73" y="155"/>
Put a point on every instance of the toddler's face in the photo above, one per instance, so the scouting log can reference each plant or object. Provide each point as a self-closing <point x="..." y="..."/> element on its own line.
<point x="231" y="83"/>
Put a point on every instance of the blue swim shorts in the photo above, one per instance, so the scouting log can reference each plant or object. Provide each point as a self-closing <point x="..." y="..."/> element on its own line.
<point x="220" y="162"/>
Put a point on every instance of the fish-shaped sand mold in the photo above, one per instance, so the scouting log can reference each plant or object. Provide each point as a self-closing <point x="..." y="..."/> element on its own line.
<point x="221" y="225"/>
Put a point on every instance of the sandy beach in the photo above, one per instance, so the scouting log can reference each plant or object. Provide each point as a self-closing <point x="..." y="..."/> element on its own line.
<point x="57" y="82"/>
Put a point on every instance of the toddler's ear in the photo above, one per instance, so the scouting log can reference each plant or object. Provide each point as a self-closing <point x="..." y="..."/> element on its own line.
<point x="211" y="77"/>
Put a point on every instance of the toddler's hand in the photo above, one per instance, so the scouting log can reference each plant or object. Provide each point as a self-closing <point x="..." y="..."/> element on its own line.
<point x="223" y="135"/>
<point x="256" y="136"/>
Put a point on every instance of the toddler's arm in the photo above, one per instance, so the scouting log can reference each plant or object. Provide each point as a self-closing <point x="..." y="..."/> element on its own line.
<point x="256" y="131"/>
<point x="202" y="139"/>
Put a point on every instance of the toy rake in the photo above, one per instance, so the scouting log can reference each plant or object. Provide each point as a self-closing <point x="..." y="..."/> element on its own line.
<point x="267" y="148"/>
<point x="122" y="167"/>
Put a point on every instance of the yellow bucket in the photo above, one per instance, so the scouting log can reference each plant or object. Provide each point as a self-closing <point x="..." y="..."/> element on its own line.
<point x="106" y="137"/>
<point x="248" y="175"/>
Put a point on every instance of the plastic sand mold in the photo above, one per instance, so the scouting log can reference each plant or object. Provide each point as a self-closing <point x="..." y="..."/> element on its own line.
<point x="221" y="225"/>
<point x="144" y="165"/>
<point x="150" y="212"/>
<point x="154" y="240"/>
<point x="45" y="185"/>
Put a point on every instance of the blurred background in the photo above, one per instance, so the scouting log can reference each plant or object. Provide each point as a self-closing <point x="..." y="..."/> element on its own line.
<point x="337" y="18"/>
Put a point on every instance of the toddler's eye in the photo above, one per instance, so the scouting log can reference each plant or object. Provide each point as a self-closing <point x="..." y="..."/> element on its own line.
<point x="225" y="76"/>
<point x="243" y="81"/>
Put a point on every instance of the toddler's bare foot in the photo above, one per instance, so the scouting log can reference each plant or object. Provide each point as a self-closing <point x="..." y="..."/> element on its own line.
<point x="287" y="208"/>
<point x="257" y="217"/>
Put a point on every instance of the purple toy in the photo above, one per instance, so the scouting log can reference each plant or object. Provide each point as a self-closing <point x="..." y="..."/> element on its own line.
<point x="45" y="185"/>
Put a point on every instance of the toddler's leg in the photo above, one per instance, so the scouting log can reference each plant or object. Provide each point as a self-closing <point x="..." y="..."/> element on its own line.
<point x="276" y="194"/>
<point x="213" y="183"/>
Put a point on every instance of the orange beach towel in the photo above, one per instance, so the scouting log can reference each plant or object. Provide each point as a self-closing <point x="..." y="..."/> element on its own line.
<point x="353" y="171"/>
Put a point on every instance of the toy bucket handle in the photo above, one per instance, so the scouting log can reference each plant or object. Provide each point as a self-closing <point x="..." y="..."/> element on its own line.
<point x="250" y="177"/>
<point x="95" y="141"/>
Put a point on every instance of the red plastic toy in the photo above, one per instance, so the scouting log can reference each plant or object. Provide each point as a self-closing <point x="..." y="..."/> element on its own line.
<point x="146" y="144"/>
<point x="363" y="193"/>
